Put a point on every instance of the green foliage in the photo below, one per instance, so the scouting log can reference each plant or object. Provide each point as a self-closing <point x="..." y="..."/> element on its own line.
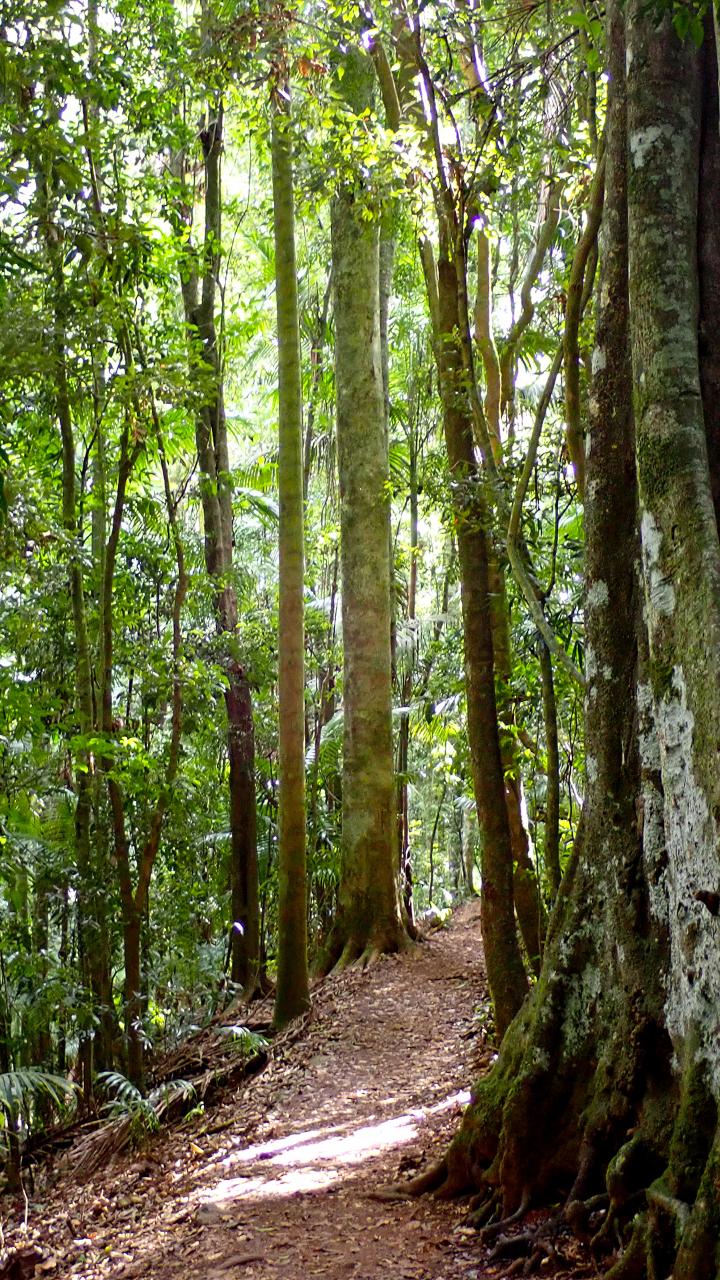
<point x="247" y="1042"/>
<point x="29" y="1096"/>
<point x="101" y="222"/>
<point x="24" y="1088"/>
<point x="144" y="1113"/>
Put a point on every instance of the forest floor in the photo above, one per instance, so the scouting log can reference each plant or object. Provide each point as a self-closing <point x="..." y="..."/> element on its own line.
<point x="278" y="1180"/>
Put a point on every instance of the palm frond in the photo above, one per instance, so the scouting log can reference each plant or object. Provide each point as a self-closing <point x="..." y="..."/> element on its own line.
<point x="28" y="1084"/>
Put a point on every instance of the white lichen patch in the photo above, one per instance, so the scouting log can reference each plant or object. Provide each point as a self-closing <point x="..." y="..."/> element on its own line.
<point x="659" y="589"/>
<point x="597" y="595"/>
<point x="580" y="1008"/>
<point x="647" y="736"/>
<point x="693" y="998"/>
<point x="642" y="142"/>
<point x="599" y="360"/>
<point x="591" y="768"/>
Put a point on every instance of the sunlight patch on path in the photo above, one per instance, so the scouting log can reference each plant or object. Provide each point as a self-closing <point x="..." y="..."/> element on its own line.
<point x="313" y="1161"/>
<point x="293" y="1183"/>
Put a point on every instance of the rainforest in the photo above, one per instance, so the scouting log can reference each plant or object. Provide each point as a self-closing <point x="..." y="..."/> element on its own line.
<point x="359" y="639"/>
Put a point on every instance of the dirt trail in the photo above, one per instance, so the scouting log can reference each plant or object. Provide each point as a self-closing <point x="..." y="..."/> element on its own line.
<point x="277" y="1182"/>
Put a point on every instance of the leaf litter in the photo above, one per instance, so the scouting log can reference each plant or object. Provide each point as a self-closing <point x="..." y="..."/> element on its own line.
<point x="278" y="1179"/>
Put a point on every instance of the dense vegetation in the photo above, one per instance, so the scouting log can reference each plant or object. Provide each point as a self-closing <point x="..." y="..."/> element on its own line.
<point x="114" y="669"/>
<point x="267" y="694"/>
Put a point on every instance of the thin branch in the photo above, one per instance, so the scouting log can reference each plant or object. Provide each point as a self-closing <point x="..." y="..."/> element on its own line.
<point x="577" y="293"/>
<point x="516" y="554"/>
<point x="544" y="239"/>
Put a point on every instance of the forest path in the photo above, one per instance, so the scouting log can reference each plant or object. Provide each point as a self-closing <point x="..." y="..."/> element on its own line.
<point x="277" y="1182"/>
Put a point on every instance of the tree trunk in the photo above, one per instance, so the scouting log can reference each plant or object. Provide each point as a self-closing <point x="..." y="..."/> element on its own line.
<point x="463" y="415"/>
<point x="506" y="975"/>
<point x="552" y="755"/>
<point x="709" y="257"/>
<point x="369" y="913"/>
<point x="526" y="890"/>
<point x="199" y="296"/>
<point x="681" y="569"/>
<point x="406" y="693"/>
<point x="95" y="1052"/>
<point x="292" y="996"/>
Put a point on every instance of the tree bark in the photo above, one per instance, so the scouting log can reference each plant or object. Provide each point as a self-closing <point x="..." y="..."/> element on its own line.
<point x="552" y="795"/>
<point x="292" y="995"/>
<point x="506" y="975"/>
<point x="199" y="295"/>
<point x="369" y="913"/>
<point x="463" y="419"/>
<point x="709" y="256"/>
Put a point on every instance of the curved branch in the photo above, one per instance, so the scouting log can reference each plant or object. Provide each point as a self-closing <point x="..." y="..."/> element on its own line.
<point x="576" y="296"/>
<point x="516" y="553"/>
<point x="545" y="237"/>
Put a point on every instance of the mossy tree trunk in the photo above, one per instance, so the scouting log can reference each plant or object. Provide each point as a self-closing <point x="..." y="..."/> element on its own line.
<point x="292" y="996"/>
<point x="606" y="1089"/>
<point x="369" y="918"/>
<point x="670" y="234"/>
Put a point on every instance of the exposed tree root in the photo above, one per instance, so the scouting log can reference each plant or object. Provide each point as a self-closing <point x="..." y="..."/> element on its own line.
<point x="495" y="1228"/>
<point x="529" y="1249"/>
<point x="484" y="1208"/>
<point x="644" y="1150"/>
<point x="585" y="1217"/>
<point x="424" y="1184"/>
<point x="542" y="1253"/>
<point x="345" y="951"/>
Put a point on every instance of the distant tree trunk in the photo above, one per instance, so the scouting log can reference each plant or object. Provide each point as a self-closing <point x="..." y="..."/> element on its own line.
<point x="292" y="996"/>
<point x="61" y="1061"/>
<point x="406" y="693"/>
<point x="134" y="896"/>
<point x="468" y="851"/>
<point x="369" y="915"/>
<point x="484" y="618"/>
<point x="455" y="852"/>
<point x="526" y="890"/>
<point x="93" y="961"/>
<point x="199" y="295"/>
<point x="506" y="973"/>
<point x="6" y="1060"/>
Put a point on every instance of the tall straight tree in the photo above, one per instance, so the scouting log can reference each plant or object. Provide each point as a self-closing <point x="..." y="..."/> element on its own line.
<point x="199" y="288"/>
<point x="292" y="975"/>
<point x="369" y="916"/>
